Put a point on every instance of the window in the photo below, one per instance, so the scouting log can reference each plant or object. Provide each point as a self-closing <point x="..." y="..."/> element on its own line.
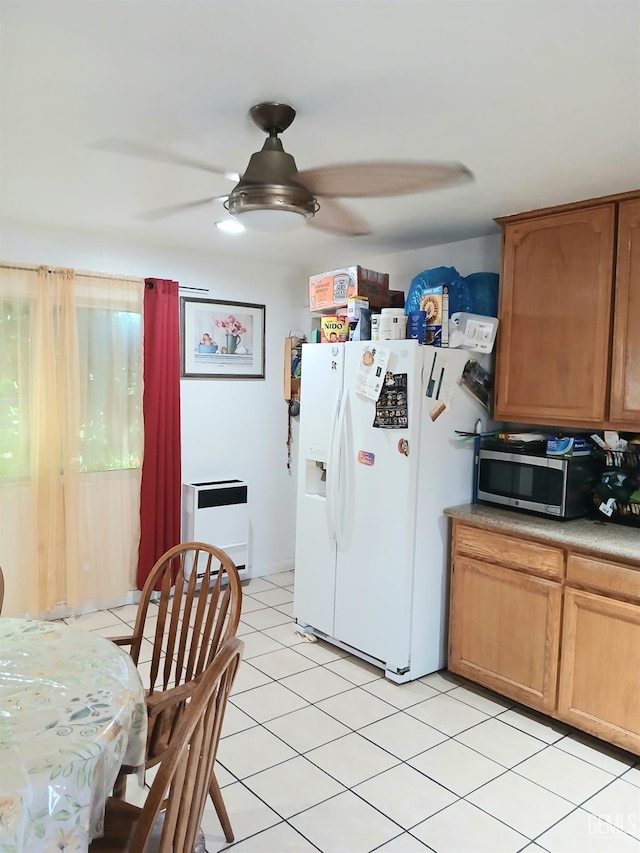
<point x="71" y="437"/>
<point x="110" y="374"/>
<point x="110" y="349"/>
<point x="15" y="367"/>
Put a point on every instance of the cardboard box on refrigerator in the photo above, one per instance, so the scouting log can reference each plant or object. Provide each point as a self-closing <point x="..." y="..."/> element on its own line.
<point x="396" y="299"/>
<point x="435" y="303"/>
<point x="355" y="304"/>
<point x="332" y="289"/>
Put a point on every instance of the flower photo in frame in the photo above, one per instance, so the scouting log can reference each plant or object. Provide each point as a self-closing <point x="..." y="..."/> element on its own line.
<point x="221" y="340"/>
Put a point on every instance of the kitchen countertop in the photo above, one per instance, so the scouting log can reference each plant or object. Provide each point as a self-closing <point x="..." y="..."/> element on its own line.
<point x="604" y="537"/>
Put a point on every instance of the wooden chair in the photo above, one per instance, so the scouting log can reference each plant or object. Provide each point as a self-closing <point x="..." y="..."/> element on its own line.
<point x="197" y="612"/>
<point x="171" y="816"/>
<point x="1" y="589"/>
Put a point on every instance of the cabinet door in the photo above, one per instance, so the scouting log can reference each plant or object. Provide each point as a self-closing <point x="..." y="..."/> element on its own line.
<point x="600" y="669"/>
<point x="555" y="314"/>
<point x="504" y="631"/>
<point x="625" y="377"/>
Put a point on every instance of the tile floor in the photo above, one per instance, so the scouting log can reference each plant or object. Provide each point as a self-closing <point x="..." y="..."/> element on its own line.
<point x="320" y="752"/>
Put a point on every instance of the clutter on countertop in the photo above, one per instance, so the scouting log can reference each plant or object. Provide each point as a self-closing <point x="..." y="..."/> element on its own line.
<point x="526" y="442"/>
<point x="543" y="444"/>
<point x="614" y="493"/>
<point x="567" y="446"/>
<point x="617" y="493"/>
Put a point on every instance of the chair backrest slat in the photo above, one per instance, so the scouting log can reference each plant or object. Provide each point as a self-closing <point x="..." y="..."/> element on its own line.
<point x="207" y="617"/>
<point x="187" y="766"/>
<point x="196" y="614"/>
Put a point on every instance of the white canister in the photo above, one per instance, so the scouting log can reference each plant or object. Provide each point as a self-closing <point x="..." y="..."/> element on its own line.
<point x="386" y="328"/>
<point x="375" y="327"/>
<point x="398" y="320"/>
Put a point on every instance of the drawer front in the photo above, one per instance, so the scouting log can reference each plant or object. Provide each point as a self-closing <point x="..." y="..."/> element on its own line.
<point x="499" y="549"/>
<point x="603" y="576"/>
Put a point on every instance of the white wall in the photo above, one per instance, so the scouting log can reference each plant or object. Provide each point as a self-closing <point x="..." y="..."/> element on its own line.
<point x="230" y="428"/>
<point x="481" y="254"/>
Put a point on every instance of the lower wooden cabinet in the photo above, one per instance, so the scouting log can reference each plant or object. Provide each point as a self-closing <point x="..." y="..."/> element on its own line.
<point x="504" y="631"/>
<point x="600" y="667"/>
<point x="554" y="629"/>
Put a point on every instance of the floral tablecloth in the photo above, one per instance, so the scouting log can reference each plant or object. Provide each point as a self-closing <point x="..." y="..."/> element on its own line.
<point x="71" y="712"/>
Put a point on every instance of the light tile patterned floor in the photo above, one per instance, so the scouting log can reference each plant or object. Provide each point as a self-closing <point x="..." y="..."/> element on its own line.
<point x="320" y="752"/>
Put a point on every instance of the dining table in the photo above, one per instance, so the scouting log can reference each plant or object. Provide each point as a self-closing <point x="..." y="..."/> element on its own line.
<point x="72" y="711"/>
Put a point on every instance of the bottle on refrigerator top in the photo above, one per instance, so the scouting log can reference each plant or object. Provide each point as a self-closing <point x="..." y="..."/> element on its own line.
<point x="393" y="324"/>
<point x="375" y="327"/>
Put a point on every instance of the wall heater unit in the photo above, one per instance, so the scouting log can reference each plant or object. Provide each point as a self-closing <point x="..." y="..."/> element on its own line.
<point x="217" y="513"/>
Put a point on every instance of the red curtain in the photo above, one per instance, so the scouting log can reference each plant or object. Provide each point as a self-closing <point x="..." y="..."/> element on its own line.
<point x="160" y="491"/>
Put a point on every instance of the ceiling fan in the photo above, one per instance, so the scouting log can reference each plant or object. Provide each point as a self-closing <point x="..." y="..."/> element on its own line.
<point x="272" y="195"/>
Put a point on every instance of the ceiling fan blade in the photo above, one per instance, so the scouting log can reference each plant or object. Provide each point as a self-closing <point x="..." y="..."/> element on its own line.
<point x="170" y="209"/>
<point x="337" y="219"/>
<point x="130" y="148"/>
<point x="381" y="178"/>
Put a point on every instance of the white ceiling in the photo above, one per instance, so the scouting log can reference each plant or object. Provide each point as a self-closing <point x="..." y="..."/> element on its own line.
<point x="539" y="98"/>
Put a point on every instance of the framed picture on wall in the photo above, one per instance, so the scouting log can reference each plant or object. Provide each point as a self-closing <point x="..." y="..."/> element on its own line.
<point x="221" y="340"/>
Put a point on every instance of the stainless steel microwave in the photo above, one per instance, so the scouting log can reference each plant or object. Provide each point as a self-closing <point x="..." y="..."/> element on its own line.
<point x="560" y="488"/>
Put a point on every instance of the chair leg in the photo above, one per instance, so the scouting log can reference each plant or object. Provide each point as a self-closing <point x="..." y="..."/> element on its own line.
<point x="221" y="809"/>
<point x="120" y="787"/>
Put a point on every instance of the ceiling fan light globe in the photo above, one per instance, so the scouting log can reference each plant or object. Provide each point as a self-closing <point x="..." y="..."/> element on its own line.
<point x="272" y="221"/>
<point x="230" y="226"/>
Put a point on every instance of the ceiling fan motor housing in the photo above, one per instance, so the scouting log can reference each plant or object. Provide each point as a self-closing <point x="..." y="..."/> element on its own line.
<point x="269" y="182"/>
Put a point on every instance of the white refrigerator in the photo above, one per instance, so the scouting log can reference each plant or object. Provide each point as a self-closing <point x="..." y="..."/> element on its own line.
<point x="371" y="557"/>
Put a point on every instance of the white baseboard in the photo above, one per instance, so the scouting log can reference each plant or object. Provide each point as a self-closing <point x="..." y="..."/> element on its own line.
<point x="270" y="568"/>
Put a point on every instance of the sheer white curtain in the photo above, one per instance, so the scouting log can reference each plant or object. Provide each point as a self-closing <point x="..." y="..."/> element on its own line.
<point x="70" y="438"/>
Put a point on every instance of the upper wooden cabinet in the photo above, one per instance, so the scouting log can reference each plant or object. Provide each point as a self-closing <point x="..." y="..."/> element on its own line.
<point x="625" y="376"/>
<point x="569" y="306"/>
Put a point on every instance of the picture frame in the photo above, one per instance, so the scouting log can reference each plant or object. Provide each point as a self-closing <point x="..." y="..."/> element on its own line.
<point x="221" y="339"/>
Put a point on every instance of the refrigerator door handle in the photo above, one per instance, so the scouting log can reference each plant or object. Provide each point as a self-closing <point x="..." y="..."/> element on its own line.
<point x="342" y="490"/>
<point x="332" y="472"/>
